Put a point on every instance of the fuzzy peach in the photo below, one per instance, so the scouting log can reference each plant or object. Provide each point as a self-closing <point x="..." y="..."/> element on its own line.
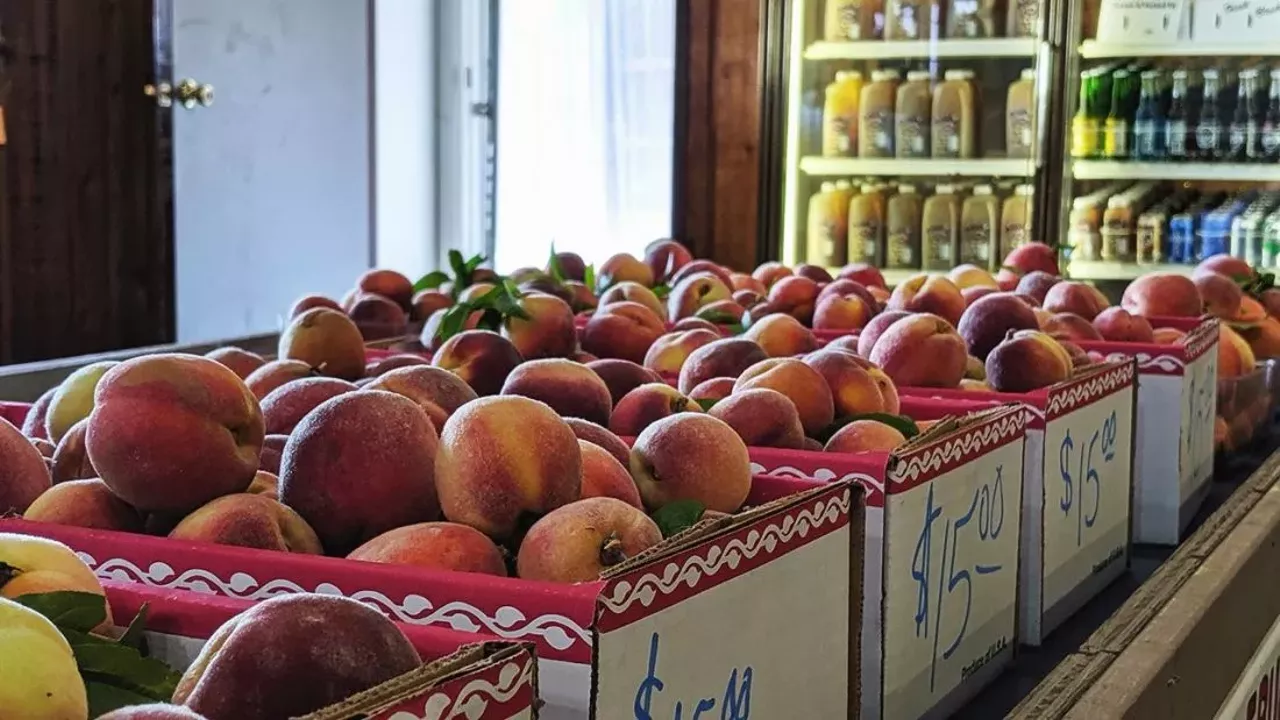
<point x="1235" y="357"/>
<point x="647" y="404"/>
<point x="1264" y="338"/>
<point x="326" y="340"/>
<point x="1167" y="336"/>
<point x="713" y="390"/>
<point x="1037" y="284"/>
<point x="669" y="351"/>
<point x="306" y="302"/>
<point x="84" y="503"/>
<point x="1167" y="294"/>
<point x="921" y="350"/>
<point x="837" y="312"/>
<point x="622" y="376"/>
<point x="275" y="374"/>
<point x="569" y="388"/>
<point x="781" y="335"/>
<point x="634" y="292"/>
<point x="691" y="456"/>
<point x="46" y="448"/>
<point x="600" y="436"/>
<point x="482" y="358"/>
<point x="1219" y="293"/>
<point x="581" y="540"/>
<point x="694" y="323"/>
<point x="604" y="476"/>
<point x="968" y="275"/>
<point x="929" y="294"/>
<point x="240" y="361"/>
<point x="71" y="458"/>
<point x="581" y="297"/>
<point x="623" y="268"/>
<point x="747" y="298"/>
<point x="986" y="322"/>
<point x="265" y="483"/>
<point x="272" y="452"/>
<point x="74" y="399"/>
<point x="1228" y="265"/>
<point x="549" y="330"/>
<point x="874" y="329"/>
<point x="854" y="387"/>
<point x="249" y="520"/>
<point x="1069" y="326"/>
<point x="697" y="267"/>
<point x="1032" y="256"/>
<point x="722" y="312"/>
<point x="34" y="424"/>
<point x="437" y="391"/>
<point x="153" y="711"/>
<point x="285" y="407"/>
<point x="739" y="282"/>
<point x="624" y="330"/>
<point x="1027" y="360"/>
<point x="427" y="302"/>
<point x="1075" y="297"/>
<point x="665" y="258"/>
<point x="389" y="284"/>
<point x="378" y="317"/>
<point x="431" y="337"/>
<point x="727" y="357"/>
<point x="693" y="292"/>
<point x="1117" y="325"/>
<point x="762" y="418"/>
<point x="435" y="546"/>
<point x="796" y="296"/>
<point x="865" y="436"/>
<point x="375" y="368"/>
<point x="868" y="275"/>
<point x="803" y="385"/>
<point x="771" y="272"/>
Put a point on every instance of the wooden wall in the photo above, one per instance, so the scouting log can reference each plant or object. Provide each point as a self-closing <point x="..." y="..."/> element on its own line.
<point x="719" y="95"/>
<point x="85" y="253"/>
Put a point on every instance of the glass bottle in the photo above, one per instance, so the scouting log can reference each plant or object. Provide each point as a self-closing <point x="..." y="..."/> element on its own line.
<point x="1254" y="119"/>
<point x="1271" y="124"/>
<point x="1244" y="125"/>
<point x="1115" y="133"/>
<point x="1084" y="126"/>
<point x="902" y="229"/>
<point x="1209" y="131"/>
<point x="1148" y="121"/>
<point x="1177" y="125"/>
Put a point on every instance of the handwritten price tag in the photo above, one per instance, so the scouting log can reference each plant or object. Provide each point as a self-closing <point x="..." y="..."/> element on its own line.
<point x="1088" y="486"/>
<point x="952" y="580"/>
<point x="1199" y="408"/>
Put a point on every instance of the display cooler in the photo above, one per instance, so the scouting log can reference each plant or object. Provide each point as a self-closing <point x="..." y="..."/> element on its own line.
<point x="908" y="134"/>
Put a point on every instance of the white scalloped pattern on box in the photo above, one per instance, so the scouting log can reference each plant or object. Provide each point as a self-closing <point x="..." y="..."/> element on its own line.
<point x="819" y="475"/>
<point x="1095" y="387"/>
<point x="929" y="460"/>
<point x="473" y="700"/>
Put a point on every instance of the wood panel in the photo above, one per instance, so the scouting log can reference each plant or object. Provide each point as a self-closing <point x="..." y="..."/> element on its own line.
<point x="718" y="128"/>
<point x="87" y="248"/>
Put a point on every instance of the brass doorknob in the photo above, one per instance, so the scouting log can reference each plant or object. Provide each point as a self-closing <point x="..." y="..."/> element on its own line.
<point x="192" y="93"/>
<point x="162" y="92"/>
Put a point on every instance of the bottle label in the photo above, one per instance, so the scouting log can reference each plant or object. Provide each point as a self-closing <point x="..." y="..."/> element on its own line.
<point x="975" y="243"/>
<point x="909" y="14"/>
<point x="1176" y="138"/>
<point x="1019" y="132"/>
<point x="1115" y="138"/>
<point x="939" y="237"/>
<point x="1026" y="16"/>
<point x="1084" y="137"/>
<point x="879" y="127"/>
<point x="1253" y="140"/>
<point x="1208" y="136"/>
<point x="863" y="239"/>
<point x="1014" y="236"/>
<point x="839" y="129"/>
<point x="946" y="136"/>
<point x="1236" y="138"/>
<point x="1271" y="139"/>
<point x="847" y="19"/>
<point x="1145" y="138"/>
<point x="901" y="253"/>
<point x="913" y="138"/>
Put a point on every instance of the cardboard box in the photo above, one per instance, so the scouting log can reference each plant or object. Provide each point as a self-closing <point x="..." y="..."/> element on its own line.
<point x="741" y="610"/>
<point x="463" y="675"/>
<point x="1177" y="398"/>
<point x="938" y="623"/>
<point x="1077" y="489"/>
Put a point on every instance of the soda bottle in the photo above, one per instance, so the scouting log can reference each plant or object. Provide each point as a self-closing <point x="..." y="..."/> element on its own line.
<point x="1254" y="118"/>
<point x="1244" y="122"/>
<point x="1209" y="126"/>
<point x="1176" y="126"/>
<point x="1271" y="124"/>
<point x="1084" y="126"/>
<point x="1115" y="133"/>
<point x="1148" y="121"/>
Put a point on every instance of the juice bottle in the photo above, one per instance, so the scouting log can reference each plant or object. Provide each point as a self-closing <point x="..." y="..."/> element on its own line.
<point x="866" y="226"/>
<point x="903" y="220"/>
<point x="840" y="115"/>
<point x="875" y="115"/>
<point x="1148" y="120"/>
<point x="1022" y="18"/>
<point x="940" y="229"/>
<point x="953" y="116"/>
<point x="971" y="18"/>
<point x="1084" y="126"/>
<point x="979" y="228"/>
<point x="1177" y="134"/>
<point x="913" y="113"/>
<point x="912" y="19"/>
<point x="1271" y="124"/>
<point x="1015" y="219"/>
<point x="854" y="20"/>
<point x="828" y="226"/>
<point x="1115" y="132"/>
<point x="1020" y="108"/>
<point x="1085" y="223"/>
<point x="1117" y="228"/>
<point x="1209" y="127"/>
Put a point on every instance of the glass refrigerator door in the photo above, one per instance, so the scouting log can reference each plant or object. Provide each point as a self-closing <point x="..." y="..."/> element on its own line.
<point x="1172" y="136"/>
<point x="914" y="132"/>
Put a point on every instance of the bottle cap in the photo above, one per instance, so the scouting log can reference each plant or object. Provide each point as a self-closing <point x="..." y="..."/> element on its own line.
<point x="1179" y="74"/>
<point x="1209" y="73"/>
<point x="906" y="189"/>
<point x="848" y="75"/>
<point x="883" y="75"/>
<point x="868" y="188"/>
<point x="919" y="75"/>
<point x="944" y="189"/>
<point x="1150" y="74"/>
<point x="843" y="185"/>
<point x="1028" y="74"/>
<point x="829" y="187"/>
<point x="982" y="189"/>
<point x="958" y="75"/>
<point x="1026" y="190"/>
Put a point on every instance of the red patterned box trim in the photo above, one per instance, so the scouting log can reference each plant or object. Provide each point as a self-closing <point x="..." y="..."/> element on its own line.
<point x="922" y="464"/>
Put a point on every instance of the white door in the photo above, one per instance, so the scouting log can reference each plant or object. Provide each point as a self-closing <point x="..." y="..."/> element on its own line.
<point x="272" y="180"/>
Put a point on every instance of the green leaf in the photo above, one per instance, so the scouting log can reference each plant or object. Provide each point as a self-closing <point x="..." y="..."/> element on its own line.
<point x="473" y="263"/>
<point x="677" y="516"/>
<point x="901" y="423"/>
<point x="718" y="317"/>
<point x="706" y="403"/>
<point x="511" y="288"/>
<point x="491" y="319"/>
<point x="735" y="328"/>
<point x="105" y="697"/>
<point x="553" y="266"/>
<point x="589" y="277"/>
<point x="662" y="290"/>
<point x="122" y="666"/>
<point x="133" y="636"/>
<point x="459" y="267"/>
<point x="68" y="609"/>
<point x="431" y="281"/>
<point x="455" y="319"/>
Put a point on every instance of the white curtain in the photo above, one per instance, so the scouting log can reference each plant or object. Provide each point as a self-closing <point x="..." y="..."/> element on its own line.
<point x="586" y="92"/>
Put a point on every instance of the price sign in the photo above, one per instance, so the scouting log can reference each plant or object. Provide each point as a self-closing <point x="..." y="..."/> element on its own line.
<point x="1087" y="486"/>
<point x="952" y="576"/>
<point x="1199" y="408"/>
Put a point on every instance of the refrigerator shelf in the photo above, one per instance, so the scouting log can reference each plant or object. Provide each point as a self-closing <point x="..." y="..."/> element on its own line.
<point x="885" y="49"/>
<point x="1092" y="49"/>
<point x="1119" y="170"/>
<point x="1109" y="270"/>
<point x="978" y="167"/>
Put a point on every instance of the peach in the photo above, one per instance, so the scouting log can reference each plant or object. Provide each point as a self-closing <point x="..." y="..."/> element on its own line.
<point x="74" y="399"/>
<point x="292" y="655"/>
<point x="1167" y="336"/>
<point x="668" y="352"/>
<point x="431" y="337"/>
<point x="967" y="276"/>
<point x="70" y="458"/>
<point x="504" y="458"/>
<point x="1235" y="357"/>
<point x="604" y="476"/>
<point x="985" y="323"/>
<point x="1232" y="267"/>
<point x="973" y="385"/>
<point x="378" y="317"/>
<point x="1250" y="311"/>
<point x="46" y="448"/>
<point x="762" y="418"/>
<point x="637" y="293"/>
<point x="747" y="298"/>
<point x="701" y="266"/>
<point x="549" y="330"/>
<point x="1007" y="280"/>
<point x="693" y="292"/>
<point x="1264" y="338"/>
<point x="1027" y="360"/>
<point x="929" y="294"/>
<point x="569" y="388"/>
<point x="249" y="520"/>
<point x="815" y="273"/>
<point x="622" y="376"/>
<point x="836" y="312"/>
<point x="171" y="432"/>
<point x="265" y="483"/>
<point x="437" y="391"/>
<point x="1079" y="358"/>
<point x="1069" y="326"/>
<point x="874" y="329"/>
<point x="921" y="350"/>
<point x="694" y="323"/>
<point x="1037" y="284"/>
<point x="374" y="368"/>
<point x="880" y="294"/>
<point x="306" y="302"/>
<point x="571" y="265"/>
<point x="865" y="436"/>
<point x="1270" y="301"/>
<point x="581" y="540"/>
<point x="623" y="268"/>
<point x="713" y="390"/>
<point x="722" y="312"/>
<point x="326" y="340"/>
<point x="361" y="464"/>
<point x="1162" y="294"/>
<point x="647" y="404"/>
<point x="973" y="294"/>
<point x="272" y="452"/>
<point x="240" y="361"/>
<point x="781" y="335"/>
<point x="34" y="424"/>
<point x="483" y="359"/>
<point x="1117" y="325"/>
<point x="84" y="503"/>
<point x="844" y="287"/>
<point x="796" y="295"/>
<point x="868" y="275"/>
<point x="624" y="330"/>
<point x="771" y="272"/>
<point x="435" y="546"/>
<point x="888" y="390"/>
<point x="1031" y="301"/>
<point x="727" y="357"/>
<point x="1220" y="295"/>
<point x="855" y="389"/>
<point x="152" y="711"/>
<point x="427" y="302"/>
<point x="581" y="298"/>
<point x="389" y="284"/>
<point x="1076" y="297"/>
<point x="1032" y="256"/>
<point x="803" y="385"/>
<point x="844" y="343"/>
<point x="665" y="258"/>
<point x="285" y="407"/>
<point x="691" y="456"/>
<point x="739" y="282"/>
<point x="599" y="436"/>
<point x="275" y="374"/>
